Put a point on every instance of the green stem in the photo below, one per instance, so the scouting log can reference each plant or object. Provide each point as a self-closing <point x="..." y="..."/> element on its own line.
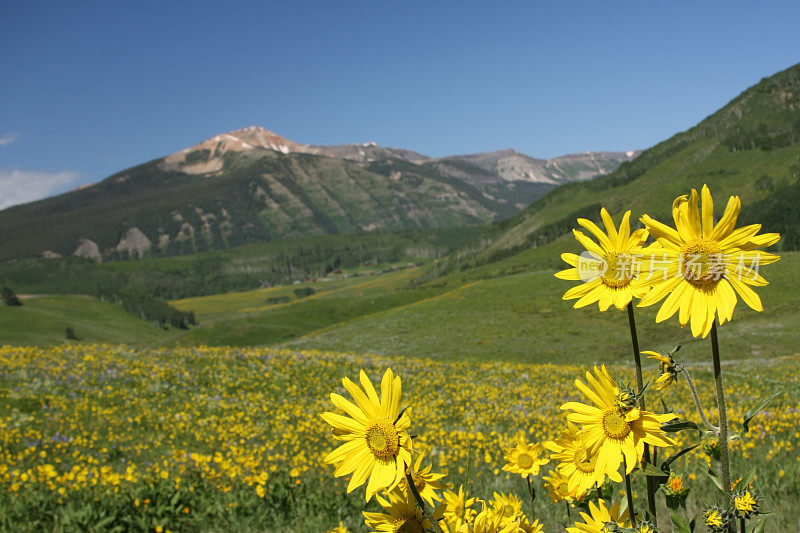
<point x="629" y="494"/>
<point x="637" y="359"/>
<point x="532" y="492"/>
<point x="741" y="525"/>
<point x="569" y="514"/>
<point x="724" y="463"/>
<point x="697" y="404"/>
<point x="421" y="503"/>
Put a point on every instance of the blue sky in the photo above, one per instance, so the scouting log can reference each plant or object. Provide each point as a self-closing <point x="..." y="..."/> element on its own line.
<point x="90" y="88"/>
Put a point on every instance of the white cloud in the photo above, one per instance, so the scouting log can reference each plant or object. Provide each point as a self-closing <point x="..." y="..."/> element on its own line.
<point x="8" y="138"/>
<point x="22" y="186"/>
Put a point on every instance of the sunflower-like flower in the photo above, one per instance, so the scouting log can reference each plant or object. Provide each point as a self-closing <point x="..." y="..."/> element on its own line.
<point x="425" y="481"/>
<point x="600" y="519"/>
<point x="458" y="509"/>
<point x="716" y="519"/>
<point x="608" y="269"/>
<point x="557" y="485"/>
<point x="611" y="430"/>
<point x="702" y="264"/>
<point x="668" y="371"/>
<point x="577" y="463"/>
<point x="525" y="459"/>
<point x="745" y="503"/>
<point x="339" y="529"/>
<point x="506" y="506"/>
<point x="376" y="446"/>
<point x="645" y="527"/>
<point x="530" y="527"/>
<point x="401" y="514"/>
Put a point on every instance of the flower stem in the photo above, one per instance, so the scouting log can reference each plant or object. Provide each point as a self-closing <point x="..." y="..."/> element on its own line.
<point x="569" y="514"/>
<point x="637" y="359"/>
<point x="724" y="463"/>
<point x="741" y="525"/>
<point x="421" y="503"/>
<point x="629" y="494"/>
<point x="532" y="492"/>
<point x="690" y="382"/>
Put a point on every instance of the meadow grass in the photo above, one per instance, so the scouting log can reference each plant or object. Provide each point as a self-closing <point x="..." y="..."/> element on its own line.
<point x="521" y="317"/>
<point x="43" y="321"/>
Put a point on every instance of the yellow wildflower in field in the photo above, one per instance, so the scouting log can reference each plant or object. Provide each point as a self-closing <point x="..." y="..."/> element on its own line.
<point x="525" y="459"/>
<point x="613" y="431"/>
<point x="716" y="519"/>
<point x="376" y="444"/>
<point x="703" y="263"/>
<point x="508" y="507"/>
<point x="556" y="485"/>
<point x="599" y="517"/>
<point x="608" y="268"/>
<point x="746" y="504"/>
<point x="401" y="514"/>
<point x="339" y="529"/>
<point x="576" y="463"/>
<point x="667" y="371"/>
<point x="458" y="510"/>
<point x="530" y="527"/>
<point x="425" y="481"/>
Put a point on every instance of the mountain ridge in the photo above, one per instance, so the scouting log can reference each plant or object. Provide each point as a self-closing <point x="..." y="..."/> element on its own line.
<point x="253" y="185"/>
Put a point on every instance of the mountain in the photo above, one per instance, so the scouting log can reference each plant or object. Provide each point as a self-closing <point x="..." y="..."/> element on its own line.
<point x="750" y="148"/>
<point x="252" y="185"/>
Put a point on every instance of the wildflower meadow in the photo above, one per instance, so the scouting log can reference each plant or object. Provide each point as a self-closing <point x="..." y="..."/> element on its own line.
<point x="125" y="438"/>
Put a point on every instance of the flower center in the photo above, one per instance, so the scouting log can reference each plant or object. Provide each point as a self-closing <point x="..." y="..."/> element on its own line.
<point x="615" y="425"/>
<point x="702" y="262"/>
<point x="407" y="525"/>
<point x="382" y="438"/>
<point x="619" y="270"/>
<point x="524" y="460"/>
<point x="509" y="511"/>
<point x="583" y="462"/>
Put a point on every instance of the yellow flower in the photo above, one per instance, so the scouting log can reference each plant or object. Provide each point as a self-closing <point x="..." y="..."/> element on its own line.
<point x="556" y="485"/>
<point x="577" y="464"/>
<point x="401" y="514"/>
<point x="525" y="459"/>
<point x="716" y="519"/>
<point x="610" y="430"/>
<point x="376" y="444"/>
<point x="530" y="527"/>
<point x="458" y="509"/>
<point x="746" y="504"/>
<point x="339" y="529"/>
<point x="425" y="481"/>
<point x="668" y="372"/>
<point x="508" y="507"/>
<point x="705" y="263"/>
<point x="608" y="268"/>
<point x="598" y="518"/>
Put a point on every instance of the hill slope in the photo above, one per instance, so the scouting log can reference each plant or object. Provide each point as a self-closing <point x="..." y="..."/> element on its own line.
<point x="252" y="185"/>
<point x="750" y="147"/>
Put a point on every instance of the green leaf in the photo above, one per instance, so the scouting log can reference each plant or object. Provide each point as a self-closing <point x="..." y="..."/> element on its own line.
<point x="678" y="425"/>
<point x="747" y="478"/>
<point x="749" y="415"/>
<point x="679" y="524"/>
<point x="715" y="479"/>
<point x="665" y="464"/>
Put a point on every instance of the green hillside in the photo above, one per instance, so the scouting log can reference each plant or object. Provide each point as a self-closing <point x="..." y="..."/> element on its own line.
<point x="43" y="320"/>
<point x="750" y="147"/>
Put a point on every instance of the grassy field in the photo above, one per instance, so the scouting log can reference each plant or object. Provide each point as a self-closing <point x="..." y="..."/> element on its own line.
<point x="188" y="439"/>
<point x="43" y="320"/>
